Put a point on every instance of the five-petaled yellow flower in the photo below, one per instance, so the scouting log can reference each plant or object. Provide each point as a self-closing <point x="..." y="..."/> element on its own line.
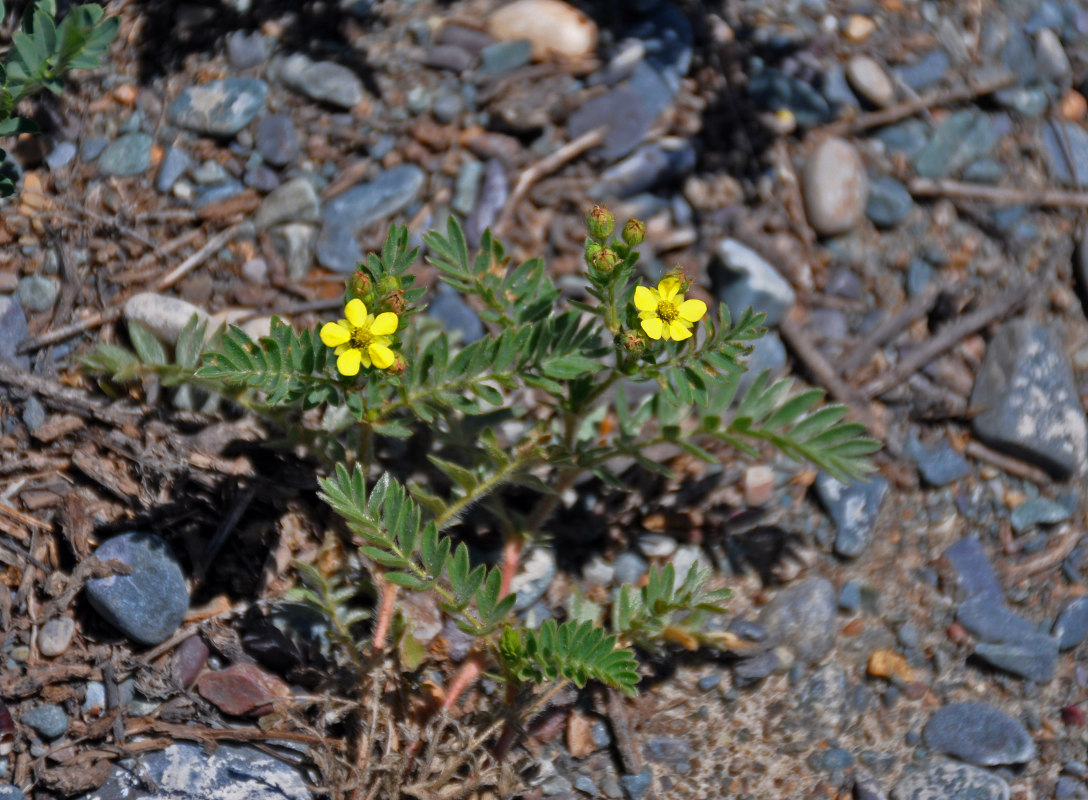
<point x="664" y="312"/>
<point x="361" y="339"/>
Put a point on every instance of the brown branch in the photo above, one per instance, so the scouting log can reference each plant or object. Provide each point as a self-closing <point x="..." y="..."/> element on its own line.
<point x="889" y="328"/>
<point x="997" y="195"/>
<point x="1013" y="466"/>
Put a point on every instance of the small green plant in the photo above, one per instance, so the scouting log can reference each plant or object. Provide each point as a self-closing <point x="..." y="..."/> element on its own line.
<point x="41" y="52"/>
<point x="554" y="377"/>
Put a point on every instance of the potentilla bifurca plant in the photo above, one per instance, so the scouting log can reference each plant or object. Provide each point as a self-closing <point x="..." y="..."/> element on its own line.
<point x="540" y="401"/>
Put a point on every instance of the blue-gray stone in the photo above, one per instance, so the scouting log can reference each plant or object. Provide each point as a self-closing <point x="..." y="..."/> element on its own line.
<point x="939" y="464"/>
<point x="627" y="110"/>
<point x="149" y="604"/>
<point x="245" y="50"/>
<point x="708" y="682"/>
<point x="742" y="278"/>
<point x="219" y="108"/>
<point x="774" y="90"/>
<point x="503" y="57"/>
<point x="324" y="81"/>
<point x="889" y="202"/>
<point x="37" y="293"/>
<point x="748" y="629"/>
<point x="1071" y="626"/>
<point x="636" y="787"/>
<point x="971" y="571"/>
<point x="866" y="786"/>
<point x="1047" y="15"/>
<point x="448" y="106"/>
<point x="824" y="695"/>
<point x="127" y="155"/>
<point x="48" y="720"/>
<point x="538" y="569"/>
<point x="33" y="414"/>
<point x="836" y="90"/>
<point x="175" y="163"/>
<point x="466" y="186"/>
<point x="850" y="597"/>
<point x="960" y="139"/>
<point x="985" y="170"/>
<point x="10" y="791"/>
<point x="261" y="178"/>
<point x="1033" y="657"/>
<point x="1037" y="511"/>
<point x="1051" y="62"/>
<point x="948" y="780"/>
<point x="985" y="617"/>
<point x="853" y="509"/>
<point x="277" y="139"/>
<point x="13" y="331"/>
<point x="209" y="173"/>
<point x="749" y="671"/>
<point x="1030" y="101"/>
<point x="667" y="159"/>
<point x="907" y="137"/>
<point x="456" y="316"/>
<point x="92" y="147"/>
<point x="61" y="155"/>
<point x="802" y="617"/>
<point x="1070" y="788"/>
<point x="489" y="202"/>
<point x="337" y="249"/>
<point x="926" y="71"/>
<point x="217" y="193"/>
<point x="1027" y="400"/>
<point x="294" y="201"/>
<point x="667" y="38"/>
<point x="381" y="198"/>
<point x="187" y="772"/>
<point x="978" y="734"/>
<point x="1072" y="170"/>
<point x="768" y="354"/>
<point x="630" y="567"/>
<point x="909" y="636"/>
<point x="672" y="751"/>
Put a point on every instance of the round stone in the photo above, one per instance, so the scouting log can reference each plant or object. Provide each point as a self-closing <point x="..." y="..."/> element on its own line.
<point x="870" y="81"/>
<point x="979" y="734"/>
<point x="555" y="28"/>
<point x="277" y="139"/>
<point x="127" y="155"/>
<point x="56" y="635"/>
<point x="149" y="604"/>
<point x="48" y="721"/>
<point x="834" y="187"/>
<point x="37" y="293"/>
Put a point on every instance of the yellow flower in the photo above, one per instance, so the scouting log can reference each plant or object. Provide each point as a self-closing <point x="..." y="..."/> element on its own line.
<point x="361" y="339"/>
<point x="664" y="312"/>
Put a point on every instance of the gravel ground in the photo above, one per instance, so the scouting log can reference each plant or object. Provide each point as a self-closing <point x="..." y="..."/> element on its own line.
<point x="900" y="185"/>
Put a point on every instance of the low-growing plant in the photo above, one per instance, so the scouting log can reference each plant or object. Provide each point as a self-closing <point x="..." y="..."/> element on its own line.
<point x="539" y="401"/>
<point x="41" y="52"/>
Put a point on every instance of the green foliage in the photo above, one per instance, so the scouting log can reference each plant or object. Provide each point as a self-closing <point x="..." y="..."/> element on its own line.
<point x="332" y="597"/>
<point x="41" y="53"/>
<point x="523" y="406"/>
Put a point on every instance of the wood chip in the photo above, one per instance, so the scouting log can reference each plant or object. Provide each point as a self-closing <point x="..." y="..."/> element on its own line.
<point x="57" y="426"/>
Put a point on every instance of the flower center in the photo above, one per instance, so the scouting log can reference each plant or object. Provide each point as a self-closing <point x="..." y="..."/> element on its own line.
<point x="667" y="311"/>
<point x="361" y="337"/>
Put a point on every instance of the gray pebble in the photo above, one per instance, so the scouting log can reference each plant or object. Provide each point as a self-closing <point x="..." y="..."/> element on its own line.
<point x="939" y="464"/>
<point x="961" y="138"/>
<point x="1071" y="626"/>
<point x="1037" y="511"/>
<point x="295" y="243"/>
<point x="947" y="780"/>
<point x="324" y="81"/>
<point x="294" y="201"/>
<point x="889" y="202"/>
<point x="13" y="331"/>
<point x="1051" y="62"/>
<point x="127" y="155"/>
<point x="1069" y="169"/>
<point x="175" y="163"/>
<point x="672" y="751"/>
<point x="503" y="57"/>
<point x="149" y="604"/>
<point x="834" y="187"/>
<point x="636" y="787"/>
<point x="802" y="617"/>
<point x="978" y="734"/>
<point x="1032" y="657"/>
<point x="742" y="278"/>
<point x="630" y="567"/>
<point x="1028" y="400"/>
<point x="163" y="315"/>
<point x="749" y="671"/>
<point x="970" y="570"/>
<point x="853" y="509"/>
<point x="37" y="293"/>
<point x="245" y="50"/>
<point x="277" y="139"/>
<point x="449" y="56"/>
<point x="824" y="696"/>
<point x="48" y="720"/>
<point x="667" y="159"/>
<point x="219" y="108"/>
<point x="56" y="635"/>
<point x="538" y="570"/>
<point x="985" y="617"/>
<point x="870" y="81"/>
<point x="926" y="71"/>
<point x="61" y="155"/>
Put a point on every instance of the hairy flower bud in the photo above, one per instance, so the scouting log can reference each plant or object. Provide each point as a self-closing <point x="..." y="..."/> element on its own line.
<point x="605" y="260"/>
<point x="592" y="248"/>
<point x="600" y="223"/>
<point x="634" y="232"/>
<point x="360" y="284"/>
<point x="633" y="341"/>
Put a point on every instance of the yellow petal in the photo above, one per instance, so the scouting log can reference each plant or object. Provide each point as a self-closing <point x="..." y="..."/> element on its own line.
<point x="692" y="310"/>
<point x="679" y="331"/>
<point x="348" y="362"/>
<point x="334" y="334"/>
<point x="644" y="299"/>
<point x="384" y="324"/>
<point x="653" y="327"/>
<point x="382" y="355"/>
<point x="355" y="311"/>
<point x="668" y="288"/>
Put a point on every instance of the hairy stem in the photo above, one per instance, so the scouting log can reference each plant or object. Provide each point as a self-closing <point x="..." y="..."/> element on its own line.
<point x="385" y="614"/>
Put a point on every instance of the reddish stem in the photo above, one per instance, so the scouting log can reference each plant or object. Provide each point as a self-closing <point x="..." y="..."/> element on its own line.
<point x="511" y="560"/>
<point x="471" y="669"/>
<point x="385" y="615"/>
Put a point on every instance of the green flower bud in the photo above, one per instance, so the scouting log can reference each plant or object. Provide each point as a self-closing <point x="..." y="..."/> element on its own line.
<point x="592" y="248"/>
<point x="388" y="285"/>
<point x="634" y="232"/>
<point x="359" y="284"/>
<point x="600" y="223"/>
<point x="605" y="260"/>
<point x="633" y="341"/>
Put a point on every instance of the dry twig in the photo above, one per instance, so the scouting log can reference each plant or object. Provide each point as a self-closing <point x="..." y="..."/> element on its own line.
<point x="997" y="195"/>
